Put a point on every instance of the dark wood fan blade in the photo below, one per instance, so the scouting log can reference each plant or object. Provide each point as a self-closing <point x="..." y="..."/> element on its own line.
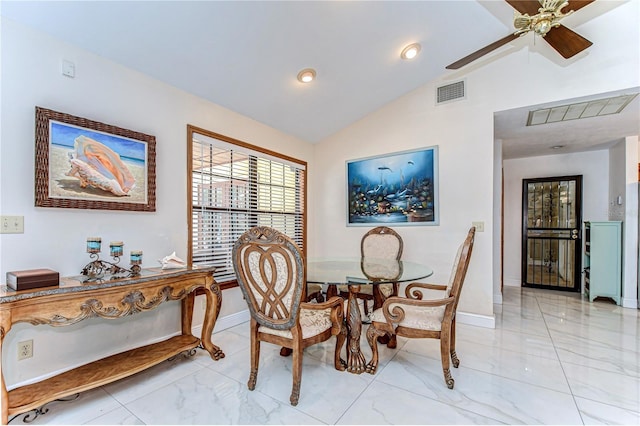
<point x="577" y="5"/>
<point x="567" y="42"/>
<point x="479" y="53"/>
<point x="525" y="6"/>
<point x="531" y="6"/>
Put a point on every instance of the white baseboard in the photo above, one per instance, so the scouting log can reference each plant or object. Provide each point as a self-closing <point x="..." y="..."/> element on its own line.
<point x="628" y="302"/>
<point x="225" y="322"/>
<point x="512" y="282"/>
<point x="486" y="321"/>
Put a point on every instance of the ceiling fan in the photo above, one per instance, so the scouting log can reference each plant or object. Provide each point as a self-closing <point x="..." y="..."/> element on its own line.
<point x="544" y="21"/>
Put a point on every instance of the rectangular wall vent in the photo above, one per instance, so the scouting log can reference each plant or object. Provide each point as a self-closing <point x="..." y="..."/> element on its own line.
<point x="451" y="92"/>
<point x="587" y="109"/>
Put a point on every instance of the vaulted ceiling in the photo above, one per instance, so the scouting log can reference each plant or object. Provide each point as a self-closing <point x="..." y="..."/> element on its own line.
<point x="245" y="55"/>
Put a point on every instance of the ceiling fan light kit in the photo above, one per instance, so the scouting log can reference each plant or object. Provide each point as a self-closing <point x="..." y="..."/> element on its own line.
<point x="544" y="21"/>
<point x="549" y="16"/>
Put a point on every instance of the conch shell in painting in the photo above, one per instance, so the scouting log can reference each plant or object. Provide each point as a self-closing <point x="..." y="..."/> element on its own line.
<point x="98" y="166"/>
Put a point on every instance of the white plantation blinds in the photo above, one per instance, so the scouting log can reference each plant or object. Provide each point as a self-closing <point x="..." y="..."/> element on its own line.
<point x="234" y="188"/>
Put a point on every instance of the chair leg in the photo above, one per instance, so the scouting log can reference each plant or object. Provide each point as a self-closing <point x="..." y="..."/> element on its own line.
<point x="255" y="356"/>
<point x="454" y="357"/>
<point x="445" y="348"/>
<point x="393" y="342"/>
<point x="388" y="339"/>
<point x="378" y="298"/>
<point x="332" y="290"/>
<point x="297" y="373"/>
<point x="338" y="362"/>
<point x="372" y="336"/>
<point x="317" y="296"/>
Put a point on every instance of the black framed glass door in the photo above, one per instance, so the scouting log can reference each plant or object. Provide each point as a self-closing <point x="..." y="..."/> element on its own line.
<point x="551" y="237"/>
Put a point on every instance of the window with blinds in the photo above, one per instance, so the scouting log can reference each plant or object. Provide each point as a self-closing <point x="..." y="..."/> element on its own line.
<point x="234" y="186"/>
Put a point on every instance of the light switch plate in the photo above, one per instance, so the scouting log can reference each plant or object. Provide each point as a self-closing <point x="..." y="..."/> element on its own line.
<point x="479" y="226"/>
<point x="11" y="224"/>
<point x="68" y="68"/>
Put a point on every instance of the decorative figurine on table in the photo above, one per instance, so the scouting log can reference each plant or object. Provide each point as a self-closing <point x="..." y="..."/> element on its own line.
<point x="172" y="262"/>
<point x="97" y="269"/>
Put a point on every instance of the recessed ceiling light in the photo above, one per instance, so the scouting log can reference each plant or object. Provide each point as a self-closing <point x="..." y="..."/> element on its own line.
<point x="307" y="75"/>
<point x="410" y="51"/>
<point x="557" y="147"/>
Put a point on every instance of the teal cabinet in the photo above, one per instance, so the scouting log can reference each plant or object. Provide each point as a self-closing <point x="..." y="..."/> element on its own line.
<point x="603" y="260"/>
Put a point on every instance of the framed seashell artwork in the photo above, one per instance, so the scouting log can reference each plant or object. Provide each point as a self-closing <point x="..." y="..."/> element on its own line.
<point x="86" y="164"/>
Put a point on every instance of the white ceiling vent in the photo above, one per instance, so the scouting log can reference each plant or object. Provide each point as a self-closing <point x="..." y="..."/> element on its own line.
<point x="587" y="109"/>
<point x="451" y="92"/>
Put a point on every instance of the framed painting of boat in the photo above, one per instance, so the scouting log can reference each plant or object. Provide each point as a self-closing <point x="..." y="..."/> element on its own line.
<point x="85" y="164"/>
<point x="398" y="189"/>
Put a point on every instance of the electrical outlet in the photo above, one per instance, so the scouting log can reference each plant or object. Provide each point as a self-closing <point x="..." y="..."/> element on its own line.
<point x="25" y="349"/>
<point x="12" y="225"/>
<point x="479" y="226"/>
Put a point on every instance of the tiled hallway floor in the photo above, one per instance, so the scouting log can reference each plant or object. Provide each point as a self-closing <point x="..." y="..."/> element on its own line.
<point x="552" y="359"/>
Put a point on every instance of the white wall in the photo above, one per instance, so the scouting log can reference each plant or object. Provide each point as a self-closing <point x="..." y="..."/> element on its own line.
<point x="410" y="123"/>
<point x="623" y="205"/>
<point x="617" y="184"/>
<point x="630" y="226"/>
<point x="594" y="168"/>
<point x="463" y="130"/>
<point x="497" y="221"/>
<point x="56" y="238"/>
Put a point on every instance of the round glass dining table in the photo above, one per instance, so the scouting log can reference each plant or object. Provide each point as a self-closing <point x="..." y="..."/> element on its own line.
<point x="356" y="272"/>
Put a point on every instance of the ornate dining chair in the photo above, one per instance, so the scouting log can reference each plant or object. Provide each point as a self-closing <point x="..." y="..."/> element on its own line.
<point x="414" y="317"/>
<point x="380" y="242"/>
<point x="271" y="274"/>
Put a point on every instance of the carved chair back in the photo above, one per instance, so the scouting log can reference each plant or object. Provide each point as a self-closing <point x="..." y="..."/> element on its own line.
<point x="270" y="272"/>
<point x="460" y="266"/>
<point x="381" y="242"/>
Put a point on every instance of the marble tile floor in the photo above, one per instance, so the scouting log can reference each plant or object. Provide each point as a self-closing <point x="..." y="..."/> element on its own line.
<point x="553" y="358"/>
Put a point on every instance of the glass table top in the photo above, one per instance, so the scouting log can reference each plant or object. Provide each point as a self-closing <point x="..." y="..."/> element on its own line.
<point x="364" y="271"/>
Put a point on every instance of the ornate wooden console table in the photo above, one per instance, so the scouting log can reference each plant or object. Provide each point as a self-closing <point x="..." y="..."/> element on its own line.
<point x="75" y="300"/>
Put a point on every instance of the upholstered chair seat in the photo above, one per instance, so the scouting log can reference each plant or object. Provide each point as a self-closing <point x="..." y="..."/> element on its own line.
<point x="312" y="322"/>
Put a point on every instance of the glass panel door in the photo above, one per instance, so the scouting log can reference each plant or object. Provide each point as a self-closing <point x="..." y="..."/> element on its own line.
<point x="551" y="238"/>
